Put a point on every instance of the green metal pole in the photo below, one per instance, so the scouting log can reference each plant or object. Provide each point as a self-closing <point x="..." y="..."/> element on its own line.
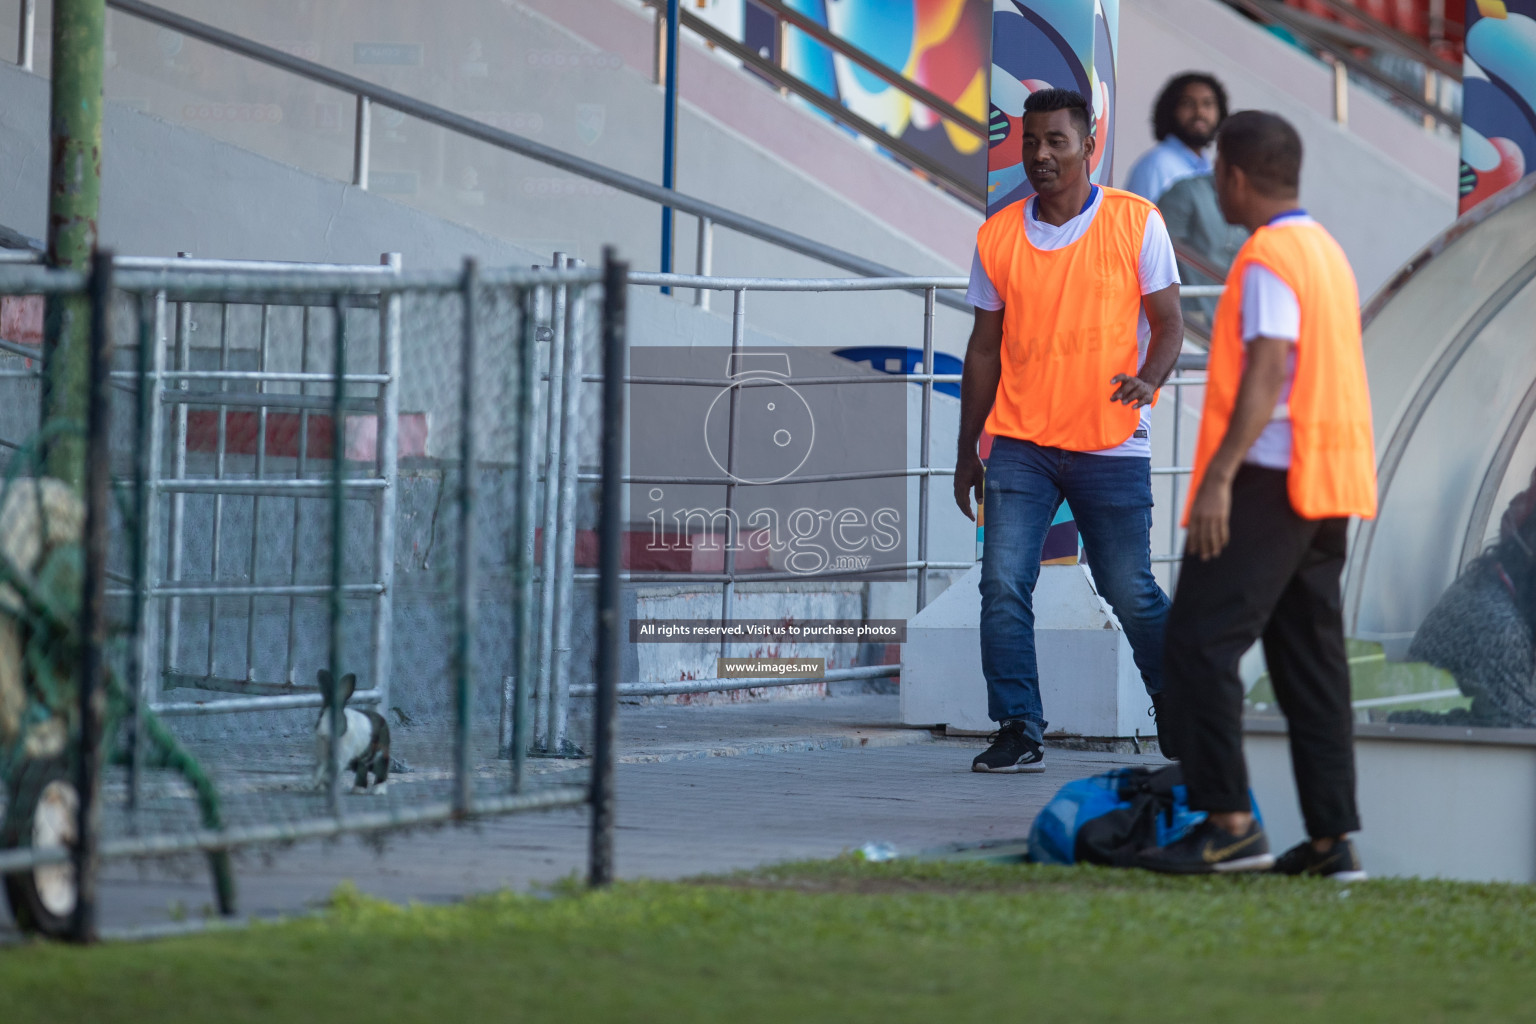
<point x="74" y="202"/>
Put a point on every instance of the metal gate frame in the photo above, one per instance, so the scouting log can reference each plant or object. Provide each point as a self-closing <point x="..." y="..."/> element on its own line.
<point x="171" y="398"/>
<point x="154" y="287"/>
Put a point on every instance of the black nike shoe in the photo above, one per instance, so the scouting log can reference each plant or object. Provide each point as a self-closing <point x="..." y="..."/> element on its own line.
<point x="1164" y="740"/>
<point x="1209" y="848"/>
<point x="1341" y="863"/>
<point x="1011" y="751"/>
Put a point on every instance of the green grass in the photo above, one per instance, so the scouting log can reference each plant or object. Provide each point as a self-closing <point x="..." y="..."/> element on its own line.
<point x="835" y="941"/>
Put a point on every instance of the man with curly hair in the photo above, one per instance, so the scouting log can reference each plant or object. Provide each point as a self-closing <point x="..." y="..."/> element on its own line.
<point x="1184" y="121"/>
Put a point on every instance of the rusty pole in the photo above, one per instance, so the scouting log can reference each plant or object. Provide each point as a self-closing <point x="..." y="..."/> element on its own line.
<point x="74" y="203"/>
<point x="93" y="621"/>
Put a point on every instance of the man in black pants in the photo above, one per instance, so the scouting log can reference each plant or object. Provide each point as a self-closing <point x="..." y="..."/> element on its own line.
<point x="1285" y="457"/>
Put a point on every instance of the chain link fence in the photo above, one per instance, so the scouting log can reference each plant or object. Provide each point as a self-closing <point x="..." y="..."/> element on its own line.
<point x="300" y="594"/>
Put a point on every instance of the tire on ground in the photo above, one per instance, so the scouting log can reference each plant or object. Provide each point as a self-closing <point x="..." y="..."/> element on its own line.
<point x="42" y="814"/>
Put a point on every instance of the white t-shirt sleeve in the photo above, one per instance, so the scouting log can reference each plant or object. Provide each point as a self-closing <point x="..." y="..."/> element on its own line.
<point x="1157" y="267"/>
<point x="1270" y="307"/>
<point x="981" y="293"/>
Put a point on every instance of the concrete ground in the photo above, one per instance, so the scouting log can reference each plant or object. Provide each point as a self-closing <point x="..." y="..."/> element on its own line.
<point x="700" y="789"/>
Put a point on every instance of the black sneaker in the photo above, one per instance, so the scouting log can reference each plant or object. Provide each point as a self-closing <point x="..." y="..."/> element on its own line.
<point x="1210" y="848"/>
<point x="1164" y="743"/>
<point x="1341" y="863"/>
<point x="1011" y="751"/>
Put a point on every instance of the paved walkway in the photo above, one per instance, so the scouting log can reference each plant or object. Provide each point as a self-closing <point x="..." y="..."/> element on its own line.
<point x="704" y="789"/>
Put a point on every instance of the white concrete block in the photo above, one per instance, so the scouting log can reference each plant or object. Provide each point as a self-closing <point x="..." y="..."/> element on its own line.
<point x="1429" y="808"/>
<point x="1089" y="683"/>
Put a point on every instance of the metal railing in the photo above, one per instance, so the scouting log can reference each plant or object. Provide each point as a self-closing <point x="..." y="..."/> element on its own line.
<point x="775" y="71"/>
<point x="1188" y="373"/>
<point x="924" y="472"/>
<point x="558" y="469"/>
<point x="1182" y="378"/>
<point x="709" y="215"/>
<point x="553" y="686"/>
<point x="133" y="297"/>
<point x="1338" y="46"/>
<point x="368" y="95"/>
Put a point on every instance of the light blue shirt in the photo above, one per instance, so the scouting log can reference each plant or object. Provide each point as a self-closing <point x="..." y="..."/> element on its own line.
<point x="1162" y="165"/>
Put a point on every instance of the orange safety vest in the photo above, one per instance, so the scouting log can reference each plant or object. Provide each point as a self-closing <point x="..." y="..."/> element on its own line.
<point x="1333" y="462"/>
<point x="1069" y="325"/>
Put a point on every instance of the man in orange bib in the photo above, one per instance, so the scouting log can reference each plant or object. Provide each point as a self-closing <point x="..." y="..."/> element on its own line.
<point x="1077" y="324"/>
<point x="1285" y="457"/>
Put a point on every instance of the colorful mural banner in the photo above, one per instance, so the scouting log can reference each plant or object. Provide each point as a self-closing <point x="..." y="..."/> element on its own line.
<point x="1498" y="132"/>
<point x="1041" y="44"/>
<point x="939" y="44"/>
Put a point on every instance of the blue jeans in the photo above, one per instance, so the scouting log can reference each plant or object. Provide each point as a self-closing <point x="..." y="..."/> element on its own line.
<point x="1111" y="499"/>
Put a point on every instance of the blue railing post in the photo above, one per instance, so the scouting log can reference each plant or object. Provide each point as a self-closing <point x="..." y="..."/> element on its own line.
<point x="669" y="139"/>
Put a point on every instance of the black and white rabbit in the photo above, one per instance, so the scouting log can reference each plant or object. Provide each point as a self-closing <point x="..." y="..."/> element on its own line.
<point x="364" y="739"/>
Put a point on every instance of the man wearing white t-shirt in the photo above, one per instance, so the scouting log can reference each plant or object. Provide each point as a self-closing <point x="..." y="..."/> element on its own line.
<point x="1184" y="121"/>
<point x="1286" y="456"/>
<point x="1077" y="324"/>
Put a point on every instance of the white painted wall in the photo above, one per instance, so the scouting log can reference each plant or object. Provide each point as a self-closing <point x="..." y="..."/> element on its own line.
<point x="1429" y="807"/>
<point x="167" y="188"/>
<point x="514" y="67"/>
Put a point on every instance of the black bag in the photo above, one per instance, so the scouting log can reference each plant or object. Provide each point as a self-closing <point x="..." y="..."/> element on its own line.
<point x="1153" y="810"/>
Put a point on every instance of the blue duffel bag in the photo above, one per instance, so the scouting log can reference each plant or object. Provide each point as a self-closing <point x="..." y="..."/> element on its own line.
<point x="1108" y="819"/>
